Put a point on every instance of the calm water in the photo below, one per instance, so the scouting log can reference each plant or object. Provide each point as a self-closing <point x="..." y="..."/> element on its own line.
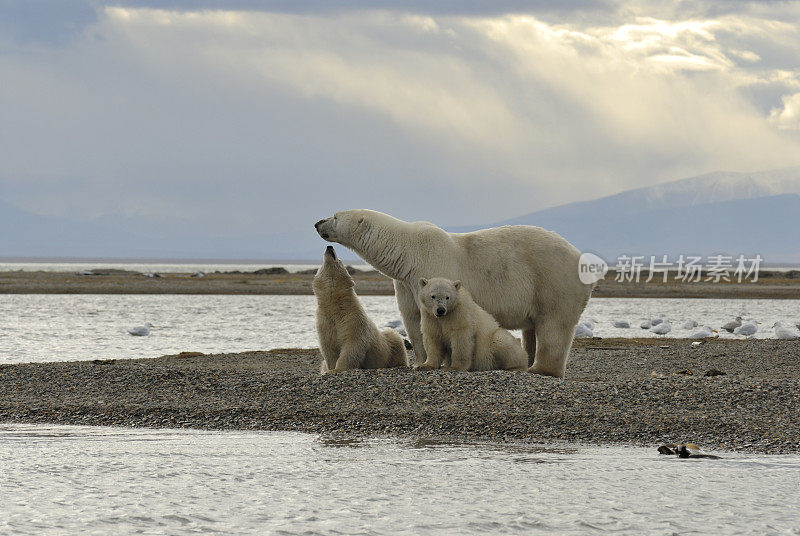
<point x="189" y="266"/>
<point x="41" y="327"/>
<point x="69" y="480"/>
<point x="157" y="267"/>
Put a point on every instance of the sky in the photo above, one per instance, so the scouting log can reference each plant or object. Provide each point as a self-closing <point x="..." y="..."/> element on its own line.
<point x="270" y="115"/>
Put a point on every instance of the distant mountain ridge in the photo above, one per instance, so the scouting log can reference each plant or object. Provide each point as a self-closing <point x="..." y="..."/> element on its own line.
<point x="714" y="187"/>
<point x="717" y="213"/>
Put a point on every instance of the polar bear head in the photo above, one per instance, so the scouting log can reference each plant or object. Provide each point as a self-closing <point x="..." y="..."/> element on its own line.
<point x="438" y="296"/>
<point x="343" y="227"/>
<point x="332" y="276"/>
<point x="352" y="228"/>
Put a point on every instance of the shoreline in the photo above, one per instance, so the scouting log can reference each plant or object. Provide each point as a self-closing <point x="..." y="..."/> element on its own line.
<point x="273" y="281"/>
<point x="616" y="392"/>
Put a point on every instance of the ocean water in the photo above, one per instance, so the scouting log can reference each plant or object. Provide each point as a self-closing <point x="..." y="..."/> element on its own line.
<point x="65" y="327"/>
<point x="189" y="266"/>
<point x="70" y="480"/>
<point x="158" y="267"/>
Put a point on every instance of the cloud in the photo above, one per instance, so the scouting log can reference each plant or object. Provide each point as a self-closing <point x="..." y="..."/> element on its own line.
<point x="246" y="117"/>
<point x="49" y="22"/>
<point x="787" y="118"/>
<point x="328" y="7"/>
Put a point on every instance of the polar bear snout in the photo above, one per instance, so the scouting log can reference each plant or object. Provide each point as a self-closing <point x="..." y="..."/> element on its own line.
<point x="440" y="311"/>
<point x="319" y="226"/>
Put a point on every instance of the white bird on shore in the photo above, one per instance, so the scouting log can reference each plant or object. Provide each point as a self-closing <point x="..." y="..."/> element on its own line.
<point x="689" y="324"/>
<point x="732" y="325"/>
<point x="662" y="328"/>
<point x="141" y="331"/>
<point x="747" y="329"/>
<point x="706" y="332"/>
<point x="622" y="324"/>
<point x="646" y="324"/>
<point x="582" y="331"/>
<point x="784" y="332"/>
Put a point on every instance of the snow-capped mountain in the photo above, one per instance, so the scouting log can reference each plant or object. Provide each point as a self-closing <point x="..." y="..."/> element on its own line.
<point x="717" y="187"/>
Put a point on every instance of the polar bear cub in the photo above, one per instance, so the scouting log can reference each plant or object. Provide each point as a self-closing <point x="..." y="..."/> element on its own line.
<point x="456" y="329"/>
<point x="348" y="339"/>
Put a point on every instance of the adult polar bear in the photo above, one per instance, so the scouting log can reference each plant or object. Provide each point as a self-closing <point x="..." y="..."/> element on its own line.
<point x="526" y="277"/>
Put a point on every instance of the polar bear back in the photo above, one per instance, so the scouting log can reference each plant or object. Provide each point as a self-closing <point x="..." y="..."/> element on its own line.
<point x="504" y="267"/>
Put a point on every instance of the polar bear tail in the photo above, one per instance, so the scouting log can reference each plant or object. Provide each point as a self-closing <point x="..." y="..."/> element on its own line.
<point x="397" y="349"/>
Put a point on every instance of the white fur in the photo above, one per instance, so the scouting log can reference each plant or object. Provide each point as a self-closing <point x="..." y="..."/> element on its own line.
<point x="463" y="335"/>
<point x="524" y="276"/>
<point x="348" y="339"/>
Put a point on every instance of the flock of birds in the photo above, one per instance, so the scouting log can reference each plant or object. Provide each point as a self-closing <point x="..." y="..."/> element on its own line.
<point x="662" y="326"/>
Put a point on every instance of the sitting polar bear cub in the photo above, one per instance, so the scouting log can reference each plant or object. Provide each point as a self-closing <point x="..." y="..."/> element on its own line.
<point x="348" y="339"/>
<point x="452" y="323"/>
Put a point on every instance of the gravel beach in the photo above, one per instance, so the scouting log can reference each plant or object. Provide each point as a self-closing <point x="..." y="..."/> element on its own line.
<point x="725" y="395"/>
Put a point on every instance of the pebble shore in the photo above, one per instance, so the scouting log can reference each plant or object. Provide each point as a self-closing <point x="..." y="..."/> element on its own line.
<point x="741" y="395"/>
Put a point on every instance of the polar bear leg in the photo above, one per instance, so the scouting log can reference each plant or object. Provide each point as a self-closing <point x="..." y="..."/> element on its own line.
<point x="409" y="310"/>
<point x="462" y="351"/>
<point x="529" y="343"/>
<point x="350" y="357"/>
<point x="553" y="340"/>
<point x="434" y="353"/>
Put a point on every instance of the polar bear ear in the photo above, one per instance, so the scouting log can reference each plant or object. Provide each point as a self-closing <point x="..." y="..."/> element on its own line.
<point x="457" y="284"/>
<point x="422" y="282"/>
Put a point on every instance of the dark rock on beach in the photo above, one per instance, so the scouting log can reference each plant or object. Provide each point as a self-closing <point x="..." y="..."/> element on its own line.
<point x="275" y="270"/>
<point x="617" y="391"/>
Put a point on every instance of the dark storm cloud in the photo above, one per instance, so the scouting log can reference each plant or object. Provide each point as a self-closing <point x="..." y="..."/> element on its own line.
<point x="51" y="22"/>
